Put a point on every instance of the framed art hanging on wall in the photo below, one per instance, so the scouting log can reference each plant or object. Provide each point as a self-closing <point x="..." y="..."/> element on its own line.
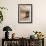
<point x="24" y="13"/>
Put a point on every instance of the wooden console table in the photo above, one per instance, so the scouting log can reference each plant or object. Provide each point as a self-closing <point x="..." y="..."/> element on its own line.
<point x="23" y="42"/>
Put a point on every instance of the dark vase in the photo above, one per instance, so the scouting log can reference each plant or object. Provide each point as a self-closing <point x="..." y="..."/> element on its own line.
<point x="6" y="35"/>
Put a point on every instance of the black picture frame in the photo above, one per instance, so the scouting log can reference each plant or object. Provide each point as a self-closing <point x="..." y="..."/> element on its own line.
<point x="24" y="13"/>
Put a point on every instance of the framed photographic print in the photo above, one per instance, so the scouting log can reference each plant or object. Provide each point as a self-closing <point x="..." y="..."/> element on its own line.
<point x="24" y="13"/>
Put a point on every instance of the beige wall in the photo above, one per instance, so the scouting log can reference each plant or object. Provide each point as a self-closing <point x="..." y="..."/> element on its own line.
<point x="25" y="30"/>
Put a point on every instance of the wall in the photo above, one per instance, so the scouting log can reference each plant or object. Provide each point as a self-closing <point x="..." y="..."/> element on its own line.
<point x="25" y="30"/>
